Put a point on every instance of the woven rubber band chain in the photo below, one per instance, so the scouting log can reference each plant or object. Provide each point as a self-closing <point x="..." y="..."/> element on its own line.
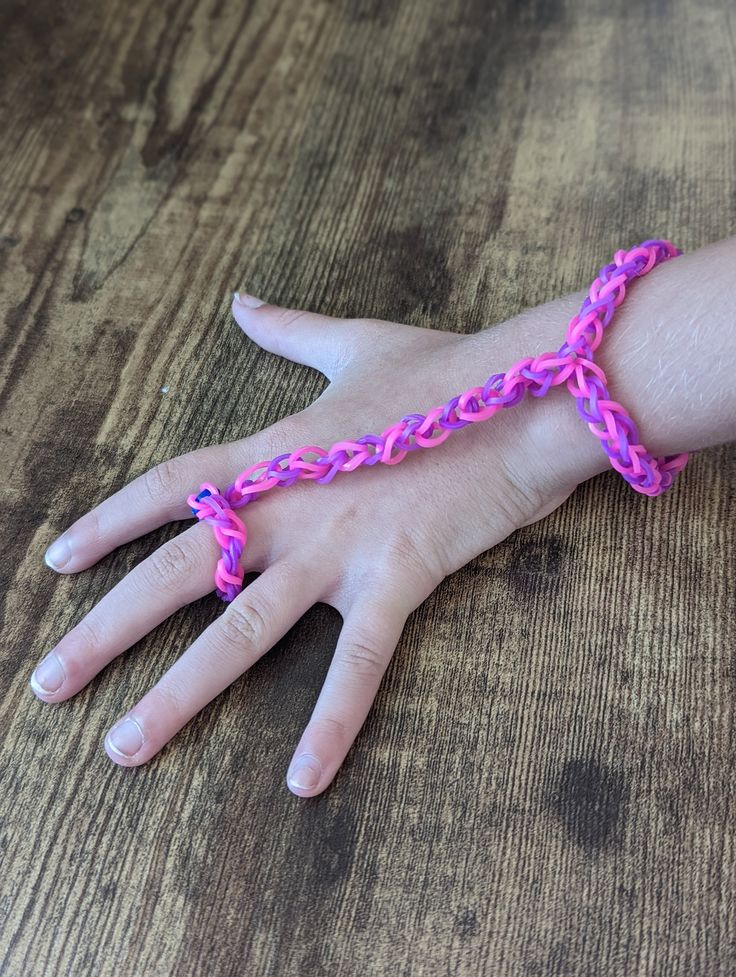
<point x="572" y="364"/>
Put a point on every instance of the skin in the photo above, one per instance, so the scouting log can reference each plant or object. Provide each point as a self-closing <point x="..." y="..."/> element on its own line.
<point x="398" y="530"/>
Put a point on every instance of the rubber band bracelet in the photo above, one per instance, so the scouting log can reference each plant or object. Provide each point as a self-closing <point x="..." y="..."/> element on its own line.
<point x="572" y="364"/>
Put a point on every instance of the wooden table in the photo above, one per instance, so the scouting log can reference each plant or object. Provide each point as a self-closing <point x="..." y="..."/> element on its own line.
<point x="545" y="785"/>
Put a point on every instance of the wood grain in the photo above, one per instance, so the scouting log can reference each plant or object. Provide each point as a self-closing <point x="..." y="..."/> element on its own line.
<point x="545" y="783"/>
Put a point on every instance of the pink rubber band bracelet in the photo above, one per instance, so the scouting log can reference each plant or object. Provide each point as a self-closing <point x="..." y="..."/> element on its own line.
<point x="572" y="364"/>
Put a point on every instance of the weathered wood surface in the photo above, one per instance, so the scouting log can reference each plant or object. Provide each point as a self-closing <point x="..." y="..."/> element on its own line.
<point x="545" y="785"/>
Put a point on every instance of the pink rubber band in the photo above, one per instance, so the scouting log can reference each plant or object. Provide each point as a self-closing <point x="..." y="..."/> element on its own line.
<point x="572" y="365"/>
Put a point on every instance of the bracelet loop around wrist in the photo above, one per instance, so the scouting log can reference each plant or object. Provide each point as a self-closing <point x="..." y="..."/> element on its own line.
<point x="606" y="418"/>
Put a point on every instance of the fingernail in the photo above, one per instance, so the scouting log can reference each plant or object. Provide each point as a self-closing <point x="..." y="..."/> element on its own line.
<point x="126" y="738"/>
<point x="49" y="675"/>
<point x="306" y="772"/>
<point x="247" y="301"/>
<point x="58" y="554"/>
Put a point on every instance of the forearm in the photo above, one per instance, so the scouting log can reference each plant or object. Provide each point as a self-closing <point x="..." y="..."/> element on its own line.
<point x="668" y="354"/>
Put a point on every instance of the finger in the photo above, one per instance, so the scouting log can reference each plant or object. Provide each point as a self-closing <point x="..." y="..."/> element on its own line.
<point x="152" y="499"/>
<point x="159" y="495"/>
<point x="369" y="636"/>
<point x="320" y="341"/>
<point x="178" y="573"/>
<point x="248" y="628"/>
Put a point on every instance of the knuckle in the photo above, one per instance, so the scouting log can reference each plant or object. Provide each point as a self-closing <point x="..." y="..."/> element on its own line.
<point x="400" y="575"/>
<point x="333" y="727"/>
<point x="163" y="482"/>
<point x="89" y="634"/>
<point x="364" y="658"/>
<point x="243" y="629"/>
<point x="273" y="440"/>
<point x="405" y="554"/>
<point x="287" y="317"/>
<point x="168" y="565"/>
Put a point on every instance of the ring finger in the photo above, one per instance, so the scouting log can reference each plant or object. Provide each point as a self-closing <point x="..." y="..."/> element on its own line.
<point x="249" y="627"/>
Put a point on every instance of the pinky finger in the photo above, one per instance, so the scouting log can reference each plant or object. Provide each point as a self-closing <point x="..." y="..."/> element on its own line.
<point x="368" y="639"/>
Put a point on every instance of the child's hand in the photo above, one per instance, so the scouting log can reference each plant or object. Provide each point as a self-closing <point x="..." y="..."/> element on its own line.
<point x="373" y="543"/>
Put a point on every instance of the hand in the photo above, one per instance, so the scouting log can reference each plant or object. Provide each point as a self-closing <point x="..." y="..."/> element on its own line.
<point x="393" y="532"/>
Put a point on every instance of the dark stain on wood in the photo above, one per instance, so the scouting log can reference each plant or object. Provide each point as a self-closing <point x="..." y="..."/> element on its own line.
<point x="589" y="800"/>
<point x="534" y="566"/>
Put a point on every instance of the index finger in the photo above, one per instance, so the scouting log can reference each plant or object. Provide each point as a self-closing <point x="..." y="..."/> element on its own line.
<point x="156" y="497"/>
<point x="159" y="496"/>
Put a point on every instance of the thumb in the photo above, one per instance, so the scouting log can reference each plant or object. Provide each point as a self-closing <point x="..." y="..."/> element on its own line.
<point x="319" y="341"/>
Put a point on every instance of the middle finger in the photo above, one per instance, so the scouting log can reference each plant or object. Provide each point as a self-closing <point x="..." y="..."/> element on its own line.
<point x="177" y="573"/>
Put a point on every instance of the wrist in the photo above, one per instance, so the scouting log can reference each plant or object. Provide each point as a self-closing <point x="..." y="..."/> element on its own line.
<point x="666" y="358"/>
<point x="565" y="451"/>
